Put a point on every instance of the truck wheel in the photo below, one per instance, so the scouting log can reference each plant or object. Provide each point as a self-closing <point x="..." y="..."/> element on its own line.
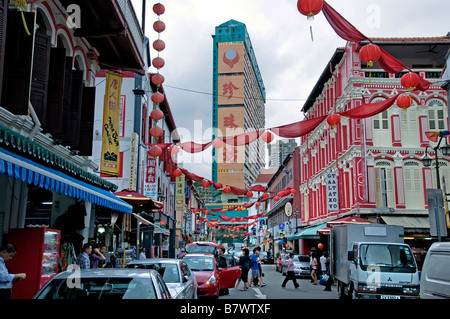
<point x="341" y="290"/>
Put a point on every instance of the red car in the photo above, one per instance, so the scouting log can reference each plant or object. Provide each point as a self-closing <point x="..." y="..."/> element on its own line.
<point x="210" y="278"/>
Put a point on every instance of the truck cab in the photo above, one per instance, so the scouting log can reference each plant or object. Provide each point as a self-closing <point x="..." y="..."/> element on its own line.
<point x="382" y="271"/>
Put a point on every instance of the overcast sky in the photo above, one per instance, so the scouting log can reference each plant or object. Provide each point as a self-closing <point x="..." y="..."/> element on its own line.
<point x="290" y="63"/>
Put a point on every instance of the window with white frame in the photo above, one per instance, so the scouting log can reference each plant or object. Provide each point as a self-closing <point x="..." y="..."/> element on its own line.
<point x="436" y="115"/>
<point x="384" y="184"/>
<point x="381" y="126"/>
<point x="413" y="184"/>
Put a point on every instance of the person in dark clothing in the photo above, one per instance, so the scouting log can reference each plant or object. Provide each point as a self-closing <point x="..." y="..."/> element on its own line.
<point x="245" y="264"/>
<point x="290" y="275"/>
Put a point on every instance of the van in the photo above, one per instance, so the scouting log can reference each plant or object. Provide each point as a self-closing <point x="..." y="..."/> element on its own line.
<point x="435" y="280"/>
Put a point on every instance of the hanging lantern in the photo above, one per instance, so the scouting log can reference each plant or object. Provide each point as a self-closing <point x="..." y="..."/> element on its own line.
<point x="292" y="191"/>
<point x="309" y="8"/>
<point x="280" y="194"/>
<point x="223" y="211"/>
<point x="320" y="246"/>
<point x="158" y="79"/>
<point x="156" y="115"/>
<point x="156" y="131"/>
<point x="370" y="54"/>
<point x="177" y="172"/>
<point x="174" y="149"/>
<point x="404" y="101"/>
<point x="276" y="198"/>
<point x="205" y="184"/>
<point x="159" y="45"/>
<point x="265" y="195"/>
<point x="155" y="151"/>
<point x="159" y="26"/>
<point x="410" y="81"/>
<point x="206" y="212"/>
<point x="267" y="137"/>
<point x="159" y="9"/>
<point x="238" y="209"/>
<point x="227" y="190"/>
<point x="333" y="120"/>
<point x="249" y="194"/>
<point x="158" y="62"/>
<point x="258" y="204"/>
<point x="157" y="98"/>
<point x="217" y="143"/>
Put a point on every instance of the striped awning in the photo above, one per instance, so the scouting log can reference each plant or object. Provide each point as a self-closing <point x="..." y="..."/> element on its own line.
<point x="34" y="173"/>
<point x="407" y="221"/>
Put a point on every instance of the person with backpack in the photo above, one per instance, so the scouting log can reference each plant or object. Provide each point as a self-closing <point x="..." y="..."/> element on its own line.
<point x="245" y="264"/>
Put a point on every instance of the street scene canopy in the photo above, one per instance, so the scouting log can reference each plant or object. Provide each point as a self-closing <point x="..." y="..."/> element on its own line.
<point x="136" y="199"/>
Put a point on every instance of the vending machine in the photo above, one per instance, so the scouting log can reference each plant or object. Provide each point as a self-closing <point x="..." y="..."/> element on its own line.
<point x="37" y="256"/>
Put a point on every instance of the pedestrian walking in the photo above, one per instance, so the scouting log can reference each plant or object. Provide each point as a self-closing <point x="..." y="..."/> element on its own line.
<point x="314" y="267"/>
<point x="328" y="272"/>
<point x="261" y="274"/>
<point x="290" y="274"/>
<point x="7" y="279"/>
<point x="83" y="260"/>
<point x="255" y="268"/>
<point x="245" y="264"/>
<point x="323" y="267"/>
<point x="95" y="257"/>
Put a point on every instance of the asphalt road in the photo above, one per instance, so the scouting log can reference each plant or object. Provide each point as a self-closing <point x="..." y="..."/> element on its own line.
<point x="273" y="289"/>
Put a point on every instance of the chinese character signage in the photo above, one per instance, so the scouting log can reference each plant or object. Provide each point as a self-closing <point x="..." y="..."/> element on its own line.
<point x="150" y="184"/>
<point x="332" y="192"/>
<point x="179" y="193"/>
<point x="110" y="159"/>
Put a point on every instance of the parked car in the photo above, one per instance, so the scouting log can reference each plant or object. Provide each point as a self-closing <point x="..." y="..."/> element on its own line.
<point x="201" y="247"/>
<point x="266" y="257"/>
<point x="210" y="278"/>
<point x="301" y="265"/>
<point x="435" y="278"/>
<point x="176" y="274"/>
<point x="110" y="283"/>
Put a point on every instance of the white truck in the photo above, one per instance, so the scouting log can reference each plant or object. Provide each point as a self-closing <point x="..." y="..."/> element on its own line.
<point x="372" y="261"/>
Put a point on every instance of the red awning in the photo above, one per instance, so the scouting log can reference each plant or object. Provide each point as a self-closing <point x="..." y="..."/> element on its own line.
<point x="136" y="199"/>
<point x="348" y="220"/>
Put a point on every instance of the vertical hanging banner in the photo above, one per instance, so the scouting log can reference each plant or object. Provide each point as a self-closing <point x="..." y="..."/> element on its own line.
<point x="332" y="191"/>
<point x="179" y="193"/>
<point x="110" y="159"/>
<point x="150" y="182"/>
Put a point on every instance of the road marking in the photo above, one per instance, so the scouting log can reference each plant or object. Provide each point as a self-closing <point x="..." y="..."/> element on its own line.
<point x="259" y="294"/>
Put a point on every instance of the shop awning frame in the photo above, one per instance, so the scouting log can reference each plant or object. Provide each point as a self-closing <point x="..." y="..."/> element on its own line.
<point x="28" y="171"/>
<point x="308" y="233"/>
<point x="418" y="222"/>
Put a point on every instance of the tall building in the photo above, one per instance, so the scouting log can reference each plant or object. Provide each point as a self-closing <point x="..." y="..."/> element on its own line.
<point x="238" y="105"/>
<point x="278" y="150"/>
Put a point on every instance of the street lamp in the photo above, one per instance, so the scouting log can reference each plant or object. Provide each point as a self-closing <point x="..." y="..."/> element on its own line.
<point x="427" y="160"/>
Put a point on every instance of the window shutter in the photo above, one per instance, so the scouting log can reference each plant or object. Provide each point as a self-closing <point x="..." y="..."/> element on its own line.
<point x="39" y="76"/>
<point x="73" y="134"/>
<point x="17" y="63"/>
<point x="3" y="18"/>
<point x="87" y="121"/>
<point x="56" y="85"/>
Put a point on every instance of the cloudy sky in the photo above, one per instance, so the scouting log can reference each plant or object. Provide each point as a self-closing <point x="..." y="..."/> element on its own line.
<point x="290" y="63"/>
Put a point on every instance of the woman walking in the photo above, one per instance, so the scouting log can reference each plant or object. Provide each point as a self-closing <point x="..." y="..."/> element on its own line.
<point x="314" y="267"/>
<point x="244" y="263"/>
<point x="290" y="273"/>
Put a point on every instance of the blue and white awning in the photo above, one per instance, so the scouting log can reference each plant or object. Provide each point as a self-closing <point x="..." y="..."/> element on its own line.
<point x="28" y="171"/>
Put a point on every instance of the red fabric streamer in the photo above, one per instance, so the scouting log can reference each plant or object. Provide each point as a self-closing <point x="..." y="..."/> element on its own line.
<point x="368" y="110"/>
<point x="299" y="128"/>
<point x="191" y="176"/>
<point x="238" y="191"/>
<point x="258" y="188"/>
<point x="341" y="26"/>
<point x="192" y="147"/>
<point x="242" y="139"/>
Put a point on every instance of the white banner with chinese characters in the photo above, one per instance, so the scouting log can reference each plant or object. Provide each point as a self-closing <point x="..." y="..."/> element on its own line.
<point x="332" y="191"/>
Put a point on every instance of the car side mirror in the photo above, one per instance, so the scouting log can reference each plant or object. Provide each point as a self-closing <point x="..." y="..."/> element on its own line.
<point x="185" y="278"/>
<point x="351" y="256"/>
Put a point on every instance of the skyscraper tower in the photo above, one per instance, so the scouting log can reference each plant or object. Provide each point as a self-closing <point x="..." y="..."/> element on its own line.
<point x="238" y="105"/>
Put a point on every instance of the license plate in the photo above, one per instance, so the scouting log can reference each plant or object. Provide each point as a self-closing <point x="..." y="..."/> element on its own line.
<point x="390" y="297"/>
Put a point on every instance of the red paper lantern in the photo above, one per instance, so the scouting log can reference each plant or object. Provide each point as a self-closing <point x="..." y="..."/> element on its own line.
<point x="265" y="195"/>
<point x="333" y="120"/>
<point x="238" y="209"/>
<point x="206" y="212"/>
<point x="217" y="143"/>
<point x="223" y="211"/>
<point x="410" y="81"/>
<point x="156" y="131"/>
<point x="249" y="194"/>
<point x="155" y="151"/>
<point x="205" y="184"/>
<point x="267" y="137"/>
<point x="276" y="198"/>
<point x="404" y="101"/>
<point x="156" y="114"/>
<point x="292" y="191"/>
<point x="320" y="246"/>
<point x="159" y="26"/>
<point x="158" y="79"/>
<point x="227" y="190"/>
<point x="174" y="149"/>
<point x="309" y="8"/>
<point x="177" y="172"/>
<point x="157" y="98"/>
<point x="258" y="204"/>
<point x="370" y="53"/>
<point x="280" y="194"/>
<point x="159" y="45"/>
<point x="158" y="62"/>
<point x="159" y="9"/>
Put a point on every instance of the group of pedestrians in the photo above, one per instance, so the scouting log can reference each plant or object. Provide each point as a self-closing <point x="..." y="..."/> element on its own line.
<point x="95" y="257"/>
<point x="316" y="272"/>
<point x="253" y="263"/>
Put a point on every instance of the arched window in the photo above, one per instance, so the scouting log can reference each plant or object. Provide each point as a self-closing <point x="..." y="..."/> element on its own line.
<point x="436" y="115"/>
<point x="384" y="187"/>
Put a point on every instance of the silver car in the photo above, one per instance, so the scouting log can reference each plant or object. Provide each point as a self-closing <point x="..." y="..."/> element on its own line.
<point x="301" y="265"/>
<point x="176" y="274"/>
<point x="110" y="283"/>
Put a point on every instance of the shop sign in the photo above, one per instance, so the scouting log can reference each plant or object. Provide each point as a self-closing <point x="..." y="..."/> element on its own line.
<point x="332" y="191"/>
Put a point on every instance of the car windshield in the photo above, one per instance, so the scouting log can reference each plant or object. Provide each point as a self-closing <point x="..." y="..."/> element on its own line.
<point x="388" y="257"/>
<point x="301" y="258"/>
<point x="201" y="248"/>
<point x="199" y="263"/>
<point x="99" y="288"/>
<point x="169" y="272"/>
